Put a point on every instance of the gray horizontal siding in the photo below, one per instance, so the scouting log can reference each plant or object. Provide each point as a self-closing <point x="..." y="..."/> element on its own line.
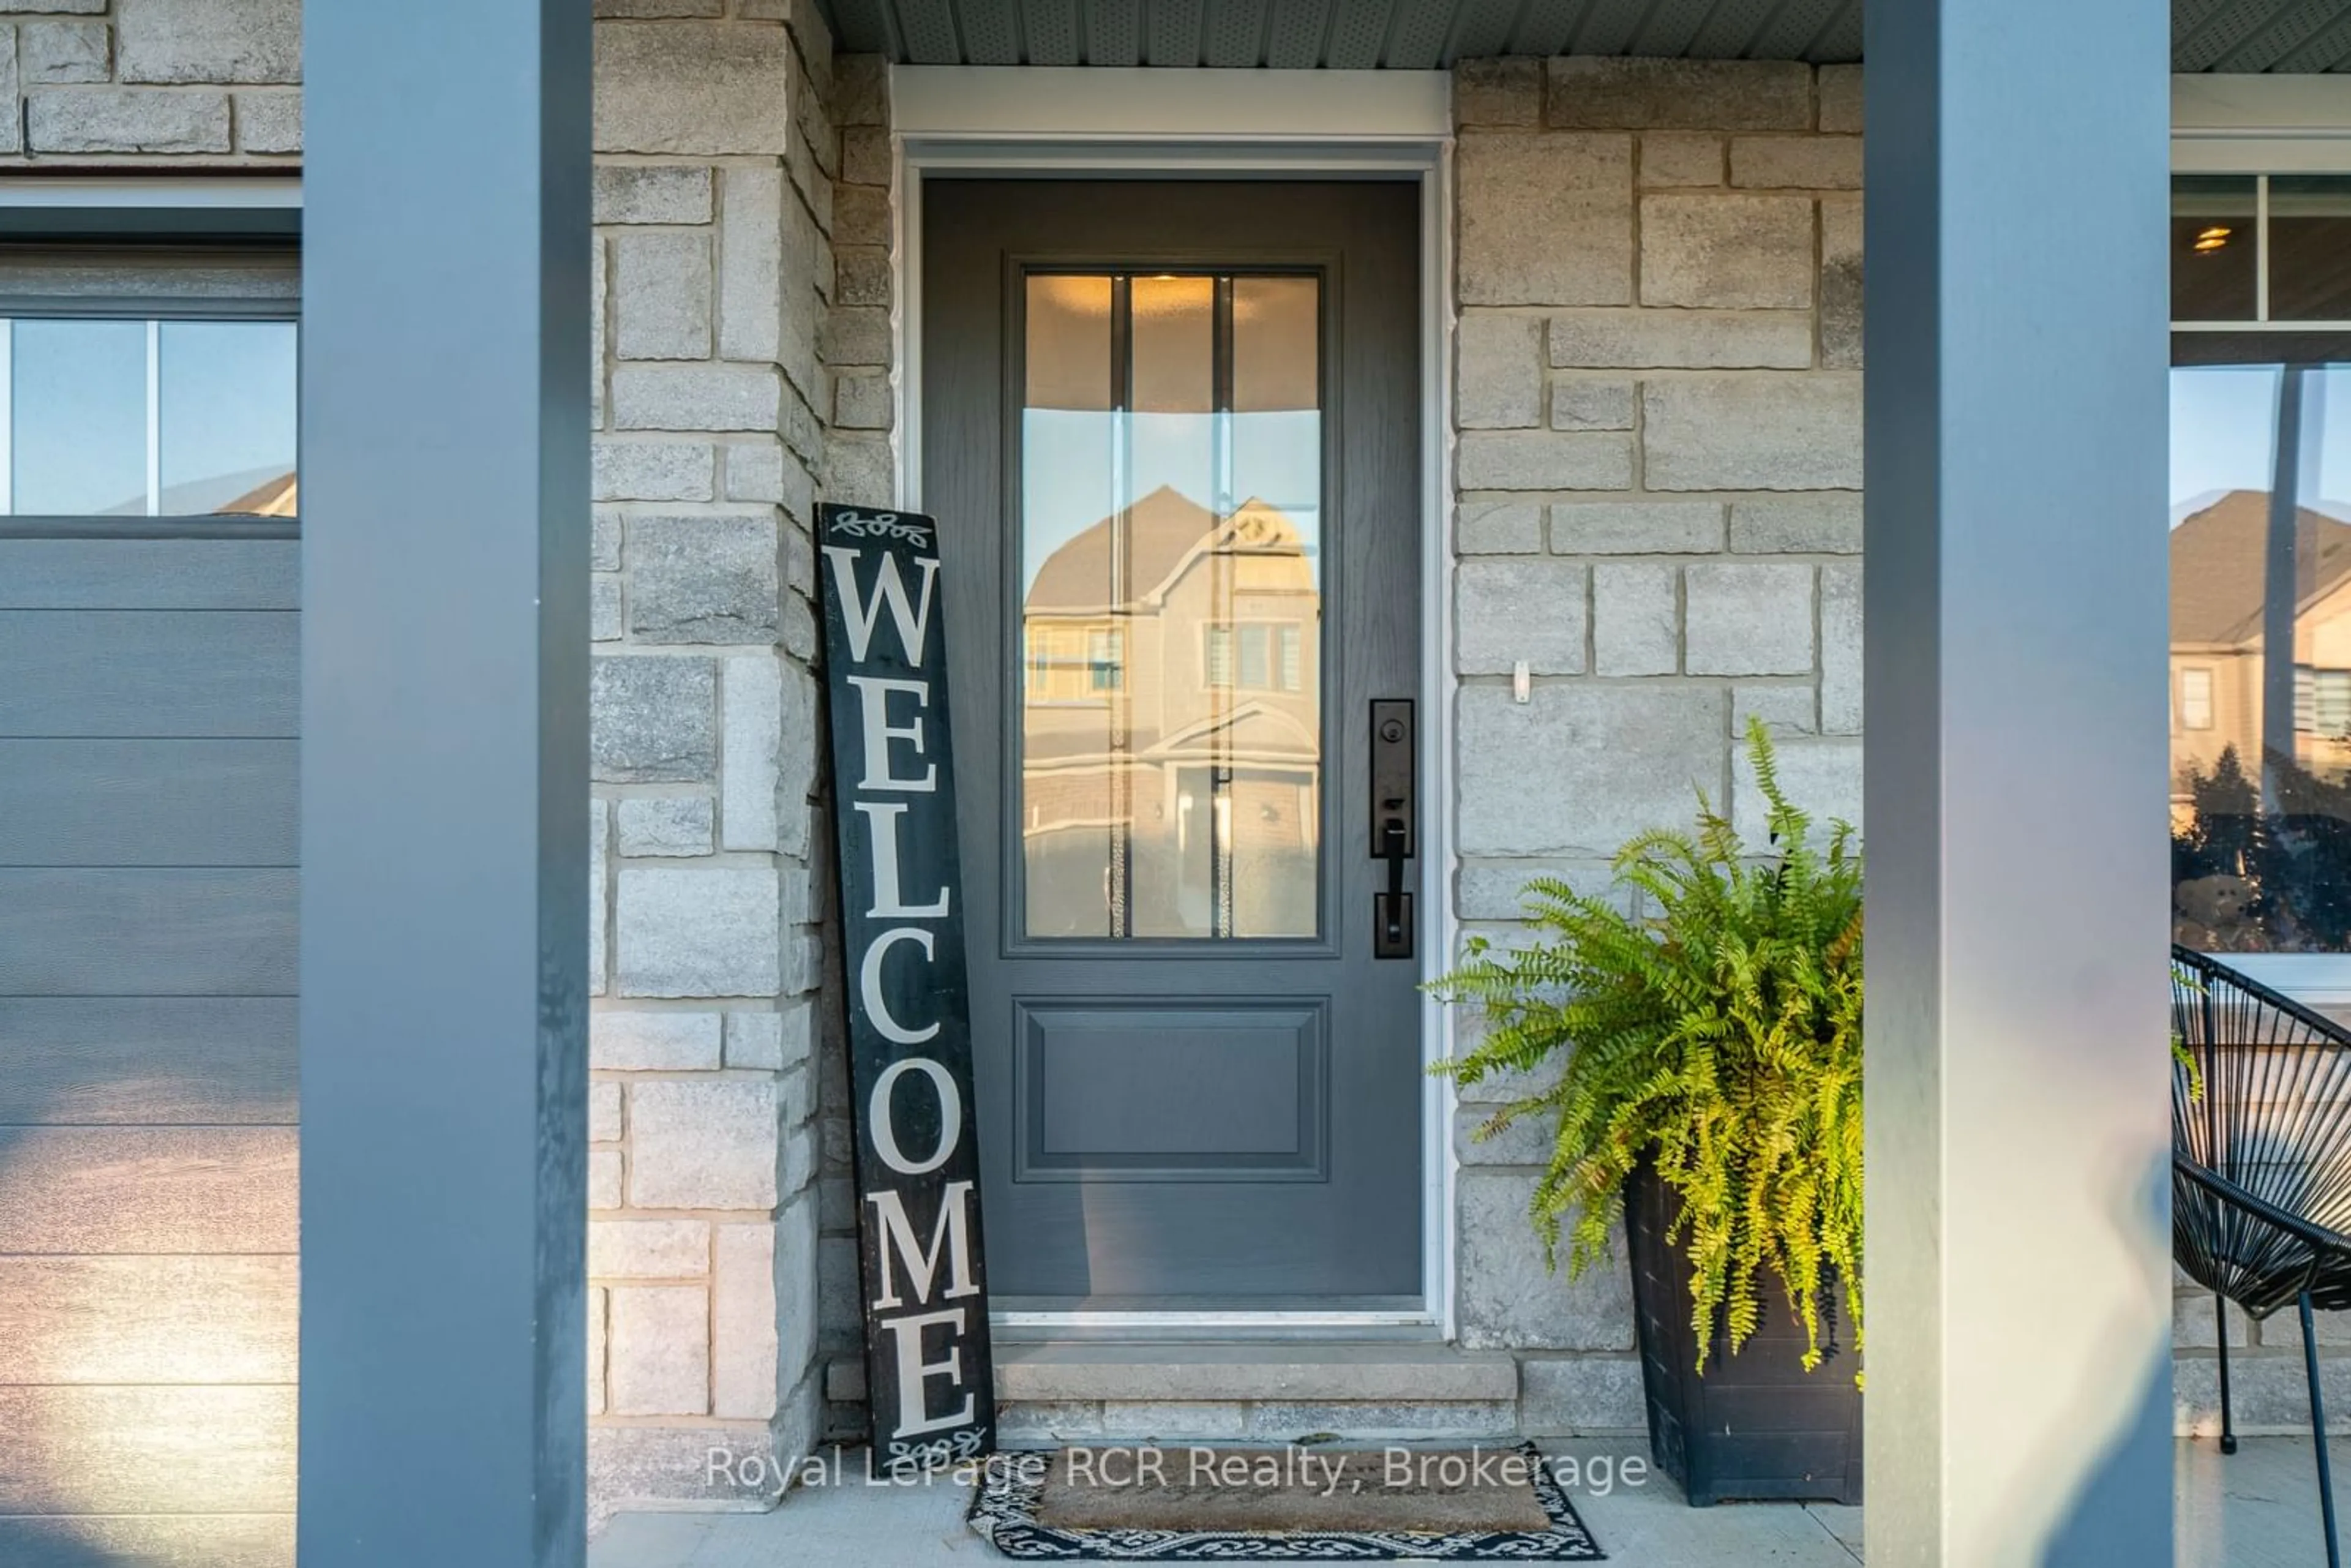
<point x="148" y="672"/>
<point x="147" y="802"/>
<point x="148" y="1187"/>
<point x="150" y="1061"/>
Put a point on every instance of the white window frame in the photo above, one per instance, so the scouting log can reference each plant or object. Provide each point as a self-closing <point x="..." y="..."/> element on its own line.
<point x="2265" y="125"/>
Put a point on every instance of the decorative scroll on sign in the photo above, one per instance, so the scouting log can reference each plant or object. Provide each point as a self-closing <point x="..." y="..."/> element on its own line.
<point x="928" y="1370"/>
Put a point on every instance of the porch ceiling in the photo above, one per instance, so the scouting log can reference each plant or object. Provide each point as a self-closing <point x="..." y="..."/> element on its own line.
<point x="1418" y="35"/>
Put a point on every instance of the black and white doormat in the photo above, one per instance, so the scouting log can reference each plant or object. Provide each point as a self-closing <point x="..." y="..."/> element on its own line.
<point x="1201" y="1503"/>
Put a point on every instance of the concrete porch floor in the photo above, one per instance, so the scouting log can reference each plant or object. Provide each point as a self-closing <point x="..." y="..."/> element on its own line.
<point x="2257" y="1509"/>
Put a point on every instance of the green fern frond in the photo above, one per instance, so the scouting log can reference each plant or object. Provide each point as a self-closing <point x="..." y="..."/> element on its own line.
<point x="1716" y="1031"/>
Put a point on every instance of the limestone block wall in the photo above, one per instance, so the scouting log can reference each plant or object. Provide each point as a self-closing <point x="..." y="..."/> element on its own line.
<point x="183" y="83"/>
<point x="716" y="158"/>
<point x="1657" y="510"/>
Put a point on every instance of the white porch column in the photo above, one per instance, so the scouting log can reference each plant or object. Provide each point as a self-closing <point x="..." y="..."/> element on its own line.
<point x="2018" y="1311"/>
<point x="444" y="790"/>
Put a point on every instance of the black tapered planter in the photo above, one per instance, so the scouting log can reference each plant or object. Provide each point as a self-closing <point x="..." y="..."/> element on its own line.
<point x="1757" y="1427"/>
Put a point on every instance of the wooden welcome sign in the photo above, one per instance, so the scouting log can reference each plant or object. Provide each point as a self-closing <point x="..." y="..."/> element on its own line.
<point x="928" y="1372"/>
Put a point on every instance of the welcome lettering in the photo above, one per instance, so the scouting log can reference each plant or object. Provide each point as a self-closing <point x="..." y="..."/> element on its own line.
<point x="929" y="1373"/>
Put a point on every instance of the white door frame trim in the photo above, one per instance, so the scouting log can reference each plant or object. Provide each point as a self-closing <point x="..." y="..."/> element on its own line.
<point x="1038" y="121"/>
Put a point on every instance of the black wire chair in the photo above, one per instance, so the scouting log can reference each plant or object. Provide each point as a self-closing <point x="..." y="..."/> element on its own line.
<point x="2261" y="1190"/>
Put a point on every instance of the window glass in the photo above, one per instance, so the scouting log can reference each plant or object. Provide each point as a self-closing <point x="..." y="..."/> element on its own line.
<point x="2261" y="654"/>
<point x="2309" y="247"/>
<point x="1171" y="521"/>
<point x="147" y="418"/>
<point x="2214" y="250"/>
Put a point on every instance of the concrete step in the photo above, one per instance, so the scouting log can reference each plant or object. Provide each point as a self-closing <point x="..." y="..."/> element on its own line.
<point x="1319" y="1370"/>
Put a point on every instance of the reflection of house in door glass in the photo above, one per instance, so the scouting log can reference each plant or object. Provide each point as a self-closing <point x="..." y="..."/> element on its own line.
<point x="1170" y="530"/>
<point x="1214" y="789"/>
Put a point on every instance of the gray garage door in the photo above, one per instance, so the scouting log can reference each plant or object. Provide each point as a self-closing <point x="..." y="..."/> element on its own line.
<point x="148" y="697"/>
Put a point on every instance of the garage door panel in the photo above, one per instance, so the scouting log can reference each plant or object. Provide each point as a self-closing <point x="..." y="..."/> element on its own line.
<point x="149" y="574"/>
<point x="189" y="933"/>
<point x="147" y="802"/>
<point x="155" y="1060"/>
<point x="149" y="673"/>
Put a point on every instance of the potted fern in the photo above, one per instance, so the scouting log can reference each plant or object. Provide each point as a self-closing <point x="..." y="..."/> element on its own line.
<point x="1705" y="1026"/>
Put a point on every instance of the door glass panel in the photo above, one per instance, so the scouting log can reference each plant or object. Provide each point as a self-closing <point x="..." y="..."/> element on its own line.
<point x="2309" y="247"/>
<point x="78" y="433"/>
<point x="2215" y="251"/>
<point x="225" y="409"/>
<point x="1171" y="606"/>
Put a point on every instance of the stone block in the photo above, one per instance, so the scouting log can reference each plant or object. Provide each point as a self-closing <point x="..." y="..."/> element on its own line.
<point x="1827" y="523"/>
<point x="121" y="120"/>
<point x="1749" y="620"/>
<point x="865" y="155"/>
<point x="52" y="54"/>
<point x="599" y="305"/>
<point x="839" y="1316"/>
<point x="855" y="337"/>
<point x="182" y="41"/>
<point x="1841" y="649"/>
<point x="667" y="826"/>
<point x="1785" y="709"/>
<point x="1476" y="1420"/>
<point x="2269" y="1394"/>
<point x="1727" y="251"/>
<point x="1636" y="620"/>
<point x="753" y="697"/>
<point x="1579" y="403"/>
<point x="796" y="1314"/>
<point x="691" y="88"/>
<point x="599" y="831"/>
<point x="1796" y="162"/>
<point x="1841" y="283"/>
<point x="1840" y="99"/>
<point x="652" y="720"/>
<point x="1504" y="92"/>
<point x="603" y="1179"/>
<point x="1636" y="528"/>
<point x="653" y="470"/>
<point x="702" y="579"/>
<point x="603" y="1111"/>
<point x="656" y="1467"/>
<point x="1498" y="379"/>
<point x="860" y="90"/>
<point x="703" y="1143"/>
<point x="750" y="285"/>
<point x="1577" y="769"/>
<point x="652" y="194"/>
<point x="1544" y="220"/>
<point x="661" y="292"/>
<point x="861" y="274"/>
<point x="862" y="400"/>
<point x="754" y="471"/>
<point x="859" y="470"/>
<point x="1173" y="1420"/>
<point x="773" y="1040"/>
<point x="268" y="121"/>
<point x="860" y="215"/>
<point x="648" y="1249"/>
<point x="648" y="8"/>
<point x="743" y="1322"/>
<point x="797" y="754"/>
<point x="1026" y="1423"/>
<point x="659" y="1357"/>
<point x="1604" y="91"/>
<point x="605" y="540"/>
<point x="1680" y="158"/>
<point x="605" y="610"/>
<point x="55" y="7"/>
<point x="596" y="1350"/>
<point x="1508" y="610"/>
<point x="696" y="397"/>
<point x="1499" y="528"/>
<point x="627" y="1042"/>
<point x="1496" y="890"/>
<point x="1753" y="432"/>
<point x="1688" y="340"/>
<point x="1822" y="777"/>
<point x="1509" y="1299"/>
<point x="1581" y="1396"/>
<point x="1527" y="1141"/>
<point x="1542" y="460"/>
<point x="697" y="933"/>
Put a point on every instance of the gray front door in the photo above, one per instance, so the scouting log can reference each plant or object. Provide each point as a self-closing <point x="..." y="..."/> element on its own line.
<point x="1171" y="433"/>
